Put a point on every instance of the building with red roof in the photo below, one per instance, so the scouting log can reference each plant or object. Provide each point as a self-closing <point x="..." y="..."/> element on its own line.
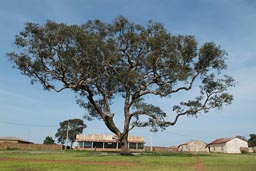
<point x="228" y="145"/>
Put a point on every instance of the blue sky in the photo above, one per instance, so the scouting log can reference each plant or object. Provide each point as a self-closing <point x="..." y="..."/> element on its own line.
<point x="28" y="112"/>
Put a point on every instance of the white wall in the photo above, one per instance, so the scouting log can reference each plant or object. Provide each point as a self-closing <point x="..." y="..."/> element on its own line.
<point x="233" y="146"/>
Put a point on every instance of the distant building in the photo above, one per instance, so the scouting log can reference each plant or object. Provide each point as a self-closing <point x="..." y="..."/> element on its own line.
<point x="104" y="142"/>
<point x="15" y="140"/>
<point x="227" y="145"/>
<point x="193" y="146"/>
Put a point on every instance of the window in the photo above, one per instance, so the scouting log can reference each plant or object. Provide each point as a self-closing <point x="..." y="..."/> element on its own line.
<point x="87" y="144"/>
<point x="110" y="145"/>
<point x="132" y="145"/>
<point x="140" y="145"/>
<point x="98" y="144"/>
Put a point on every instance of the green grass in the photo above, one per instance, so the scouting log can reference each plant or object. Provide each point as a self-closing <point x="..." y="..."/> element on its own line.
<point x="69" y="161"/>
<point x="229" y="162"/>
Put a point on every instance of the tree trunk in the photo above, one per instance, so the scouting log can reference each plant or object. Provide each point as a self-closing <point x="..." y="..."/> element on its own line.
<point x="124" y="145"/>
<point x="71" y="145"/>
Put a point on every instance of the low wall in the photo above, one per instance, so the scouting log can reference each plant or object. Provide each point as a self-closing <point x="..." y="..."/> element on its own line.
<point x="160" y="149"/>
<point x="252" y="149"/>
<point x="6" y="146"/>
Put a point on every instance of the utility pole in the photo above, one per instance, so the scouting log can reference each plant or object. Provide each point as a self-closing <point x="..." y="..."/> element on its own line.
<point x="151" y="141"/>
<point x="67" y="137"/>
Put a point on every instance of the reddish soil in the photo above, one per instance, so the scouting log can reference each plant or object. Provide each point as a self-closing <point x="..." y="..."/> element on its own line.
<point x="199" y="165"/>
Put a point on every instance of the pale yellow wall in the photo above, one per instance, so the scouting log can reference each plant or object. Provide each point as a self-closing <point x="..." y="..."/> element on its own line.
<point x="218" y="148"/>
<point x="193" y="146"/>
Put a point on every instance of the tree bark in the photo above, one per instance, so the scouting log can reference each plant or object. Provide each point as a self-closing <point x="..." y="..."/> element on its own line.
<point x="71" y="145"/>
<point x="124" y="145"/>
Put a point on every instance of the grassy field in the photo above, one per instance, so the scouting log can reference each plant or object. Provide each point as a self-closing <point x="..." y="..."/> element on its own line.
<point x="69" y="161"/>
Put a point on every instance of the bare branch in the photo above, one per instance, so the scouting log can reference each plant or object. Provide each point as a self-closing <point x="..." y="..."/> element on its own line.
<point x="186" y="88"/>
<point x="47" y="85"/>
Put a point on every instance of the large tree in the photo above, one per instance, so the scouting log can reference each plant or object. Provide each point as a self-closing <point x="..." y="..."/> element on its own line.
<point x="252" y="140"/>
<point x="48" y="140"/>
<point x="104" y="61"/>
<point x="69" y="129"/>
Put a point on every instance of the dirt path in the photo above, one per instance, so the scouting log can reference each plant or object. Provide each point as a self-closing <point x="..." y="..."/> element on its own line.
<point x="199" y="165"/>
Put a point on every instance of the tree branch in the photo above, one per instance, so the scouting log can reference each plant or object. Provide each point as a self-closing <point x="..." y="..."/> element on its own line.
<point x="107" y="119"/>
<point x="186" y="88"/>
<point x="47" y="85"/>
<point x="161" y="122"/>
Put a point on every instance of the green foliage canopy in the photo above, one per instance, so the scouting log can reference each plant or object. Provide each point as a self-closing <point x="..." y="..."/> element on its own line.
<point x="100" y="61"/>
<point x="252" y="140"/>
<point x="69" y="128"/>
<point x="48" y="140"/>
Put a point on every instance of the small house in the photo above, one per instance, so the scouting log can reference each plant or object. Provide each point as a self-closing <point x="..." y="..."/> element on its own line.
<point x="15" y="140"/>
<point x="193" y="146"/>
<point x="228" y="145"/>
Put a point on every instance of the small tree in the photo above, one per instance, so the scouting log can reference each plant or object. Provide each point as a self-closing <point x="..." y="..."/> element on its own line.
<point x="69" y="128"/>
<point x="252" y="140"/>
<point x="48" y="140"/>
<point x="101" y="61"/>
